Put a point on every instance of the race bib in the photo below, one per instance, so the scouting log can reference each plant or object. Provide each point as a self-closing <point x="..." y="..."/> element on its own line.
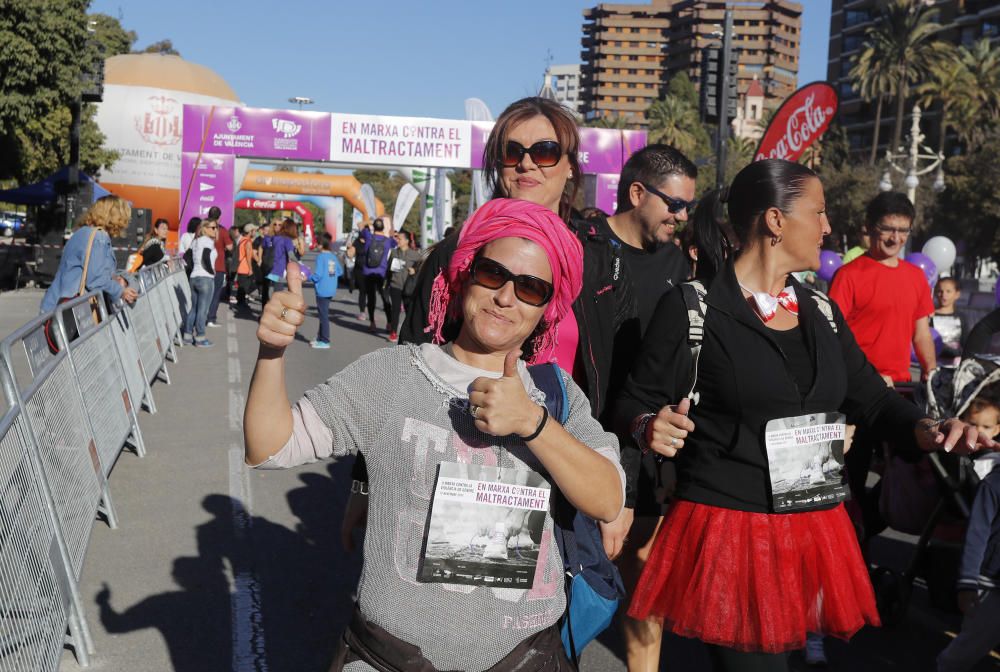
<point x="485" y="526"/>
<point x="805" y="457"/>
<point x="397" y="265"/>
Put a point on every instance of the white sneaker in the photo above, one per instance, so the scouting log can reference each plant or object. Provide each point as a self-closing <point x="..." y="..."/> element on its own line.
<point x="496" y="549"/>
<point x="815" y="650"/>
<point x="212" y="324"/>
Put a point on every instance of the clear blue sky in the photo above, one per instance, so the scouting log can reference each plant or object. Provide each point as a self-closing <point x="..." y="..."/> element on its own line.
<point x="391" y="57"/>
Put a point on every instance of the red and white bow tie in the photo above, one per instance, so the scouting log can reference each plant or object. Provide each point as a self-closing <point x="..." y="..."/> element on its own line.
<point x="767" y="305"/>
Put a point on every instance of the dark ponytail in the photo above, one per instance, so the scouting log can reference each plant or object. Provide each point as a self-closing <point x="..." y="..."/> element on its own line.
<point x="710" y="234"/>
<point x="762" y="185"/>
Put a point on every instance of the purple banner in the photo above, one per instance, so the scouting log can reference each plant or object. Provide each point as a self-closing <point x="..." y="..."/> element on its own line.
<point x="207" y="184"/>
<point x="602" y="150"/>
<point x="606" y="193"/>
<point x="257" y="132"/>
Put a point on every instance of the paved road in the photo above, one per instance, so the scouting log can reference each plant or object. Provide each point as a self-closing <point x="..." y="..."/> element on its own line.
<point x="214" y="567"/>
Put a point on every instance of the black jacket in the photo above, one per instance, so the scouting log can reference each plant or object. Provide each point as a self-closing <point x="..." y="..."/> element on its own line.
<point x="743" y="381"/>
<point x="605" y="312"/>
<point x="980" y="567"/>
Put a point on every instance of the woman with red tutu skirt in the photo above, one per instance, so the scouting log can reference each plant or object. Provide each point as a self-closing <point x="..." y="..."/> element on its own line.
<point x="757" y="550"/>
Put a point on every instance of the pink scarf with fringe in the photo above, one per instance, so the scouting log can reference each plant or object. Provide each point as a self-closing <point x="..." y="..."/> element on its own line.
<point x="512" y="218"/>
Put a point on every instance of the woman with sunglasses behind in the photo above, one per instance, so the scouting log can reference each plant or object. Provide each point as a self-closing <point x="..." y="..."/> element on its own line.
<point x="756" y="551"/>
<point x="510" y="282"/>
<point x="531" y="154"/>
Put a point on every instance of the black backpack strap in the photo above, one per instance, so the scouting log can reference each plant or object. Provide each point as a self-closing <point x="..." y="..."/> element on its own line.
<point x="694" y="300"/>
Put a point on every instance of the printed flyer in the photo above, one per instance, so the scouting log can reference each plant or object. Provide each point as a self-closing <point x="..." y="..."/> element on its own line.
<point x="485" y="526"/>
<point x="805" y="456"/>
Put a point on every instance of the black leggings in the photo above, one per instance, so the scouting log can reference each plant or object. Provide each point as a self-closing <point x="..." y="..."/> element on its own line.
<point x="730" y="660"/>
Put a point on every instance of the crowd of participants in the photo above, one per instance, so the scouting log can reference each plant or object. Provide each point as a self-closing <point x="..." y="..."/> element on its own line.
<point x="687" y="346"/>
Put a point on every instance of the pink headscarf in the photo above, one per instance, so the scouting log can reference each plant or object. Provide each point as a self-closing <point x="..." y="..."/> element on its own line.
<point x="512" y="218"/>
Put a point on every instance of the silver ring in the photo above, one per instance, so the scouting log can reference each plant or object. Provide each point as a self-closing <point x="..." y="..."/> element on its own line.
<point x="673" y="442"/>
<point x="474" y="410"/>
<point x="284" y="311"/>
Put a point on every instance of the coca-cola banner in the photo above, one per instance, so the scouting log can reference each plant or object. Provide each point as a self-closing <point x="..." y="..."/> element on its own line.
<point x="799" y="122"/>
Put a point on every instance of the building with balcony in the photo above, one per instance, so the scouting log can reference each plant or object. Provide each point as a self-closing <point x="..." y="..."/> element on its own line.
<point x="963" y="22"/>
<point x="564" y="82"/>
<point x="630" y="51"/>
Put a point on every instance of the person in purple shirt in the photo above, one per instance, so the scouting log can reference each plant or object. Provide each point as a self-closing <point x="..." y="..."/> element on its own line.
<point x="284" y="246"/>
<point x="374" y="264"/>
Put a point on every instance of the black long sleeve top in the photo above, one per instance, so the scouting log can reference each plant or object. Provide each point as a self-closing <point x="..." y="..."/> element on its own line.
<point x="744" y="380"/>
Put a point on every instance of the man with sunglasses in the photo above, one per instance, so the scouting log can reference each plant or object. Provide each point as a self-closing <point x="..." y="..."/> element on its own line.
<point x="887" y="304"/>
<point x="656" y="192"/>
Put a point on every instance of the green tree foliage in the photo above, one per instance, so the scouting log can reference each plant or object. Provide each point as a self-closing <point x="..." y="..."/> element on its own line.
<point x="386" y="186"/>
<point x="161" y="47"/>
<point x="904" y="37"/>
<point x="45" y="47"/>
<point x="615" y="122"/>
<point x="969" y="208"/>
<point x="110" y="34"/>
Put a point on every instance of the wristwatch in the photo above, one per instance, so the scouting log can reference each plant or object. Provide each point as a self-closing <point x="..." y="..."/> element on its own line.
<point x="639" y="431"/>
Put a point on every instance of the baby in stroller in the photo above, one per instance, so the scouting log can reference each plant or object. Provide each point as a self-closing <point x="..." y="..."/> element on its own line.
<point x="979" y="572"/>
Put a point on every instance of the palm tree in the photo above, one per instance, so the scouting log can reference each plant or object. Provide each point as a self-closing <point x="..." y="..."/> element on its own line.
<point x="983" y="62"/>
<point x="671" y="121"/>
<point x="953" y="86"/>
<point x="873" y="80"/>
<point x="904" y="36"/>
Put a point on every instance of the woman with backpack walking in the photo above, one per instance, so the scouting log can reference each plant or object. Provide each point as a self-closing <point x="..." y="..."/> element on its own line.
<point x="403" y="269"/>
<point x="375" y="268"/>
<point x="511" y="280"/>
<point x="751" y="557"/>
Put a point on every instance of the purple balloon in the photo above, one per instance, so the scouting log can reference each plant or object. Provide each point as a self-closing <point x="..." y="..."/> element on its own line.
<point x="829" y="262"/>
<point x="924" y="263"/>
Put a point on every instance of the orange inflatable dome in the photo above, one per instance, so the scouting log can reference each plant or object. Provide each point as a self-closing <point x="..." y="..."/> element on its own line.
<point x="141" y="115"/>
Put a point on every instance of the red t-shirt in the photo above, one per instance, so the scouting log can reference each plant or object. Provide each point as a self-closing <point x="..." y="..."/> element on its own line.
<point x="221" y="241"/>
<point x="881" y="305"/>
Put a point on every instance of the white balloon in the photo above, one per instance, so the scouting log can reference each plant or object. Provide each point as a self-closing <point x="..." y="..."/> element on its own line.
<point x="941" y="251"/>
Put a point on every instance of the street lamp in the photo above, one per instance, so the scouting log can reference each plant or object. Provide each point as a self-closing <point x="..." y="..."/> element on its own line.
<point x="917" y="154"/>
<point x="301" y="100"/>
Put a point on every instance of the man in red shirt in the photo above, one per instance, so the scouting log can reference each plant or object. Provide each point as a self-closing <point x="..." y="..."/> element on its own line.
<point x="885" y="300"/>
<point x="887" y="304"/>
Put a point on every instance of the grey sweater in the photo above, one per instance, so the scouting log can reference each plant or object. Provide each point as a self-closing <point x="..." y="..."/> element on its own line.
<point x="404" y="408"/>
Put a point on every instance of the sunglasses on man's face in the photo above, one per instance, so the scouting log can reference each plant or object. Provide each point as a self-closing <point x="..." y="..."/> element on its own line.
<point x="544" y="154"/>
<point x="674" y="205"/>
<point x="527" y="288"/>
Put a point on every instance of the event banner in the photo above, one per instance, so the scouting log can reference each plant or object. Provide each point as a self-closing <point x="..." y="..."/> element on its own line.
<point x="257" y="132"/>
<point x="602" y="150"/>
<point x="206" y="181"/>
<point x="403" y="141"/>
<point x="799" y="122"/>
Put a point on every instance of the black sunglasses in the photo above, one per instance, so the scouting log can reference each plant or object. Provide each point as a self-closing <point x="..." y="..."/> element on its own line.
<point x="674" y="205"/>
<point x="527" y="288"/>
<point x="544" y="154"/>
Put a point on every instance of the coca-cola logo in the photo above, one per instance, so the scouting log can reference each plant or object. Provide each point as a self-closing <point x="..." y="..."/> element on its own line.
<point x="264" y="205"/>
<point x="799" y="122"/>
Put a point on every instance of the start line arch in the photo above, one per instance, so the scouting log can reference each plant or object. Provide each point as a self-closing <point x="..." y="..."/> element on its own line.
<point x="215" y="136"/>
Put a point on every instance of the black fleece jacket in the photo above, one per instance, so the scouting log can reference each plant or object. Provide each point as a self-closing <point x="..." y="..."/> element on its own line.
<point x="744" y="381"/>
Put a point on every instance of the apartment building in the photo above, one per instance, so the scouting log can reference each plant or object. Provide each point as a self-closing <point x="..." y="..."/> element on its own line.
<point x="564" y="81"/>
<point x="963" y="22"/>
<point x="630" y="51"/>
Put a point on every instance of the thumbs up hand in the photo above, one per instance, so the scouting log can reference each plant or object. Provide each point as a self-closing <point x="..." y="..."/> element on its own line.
<point x="284" y="313"/>
<point x="501" y="406"/>
<point x="665" y="434"/>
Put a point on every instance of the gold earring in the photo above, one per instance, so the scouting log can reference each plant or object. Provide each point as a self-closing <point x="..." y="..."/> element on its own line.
<point x="775" y="240"/>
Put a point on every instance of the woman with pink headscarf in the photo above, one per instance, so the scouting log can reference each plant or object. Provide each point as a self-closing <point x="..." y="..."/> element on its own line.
<point x="460" y="570"/>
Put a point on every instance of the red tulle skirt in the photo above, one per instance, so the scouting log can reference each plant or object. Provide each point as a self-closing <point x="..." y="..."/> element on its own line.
<point x="755" y="581"/>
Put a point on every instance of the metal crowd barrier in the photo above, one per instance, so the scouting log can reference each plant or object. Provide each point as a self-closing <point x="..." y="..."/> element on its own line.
<point x="68" y="416"/>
